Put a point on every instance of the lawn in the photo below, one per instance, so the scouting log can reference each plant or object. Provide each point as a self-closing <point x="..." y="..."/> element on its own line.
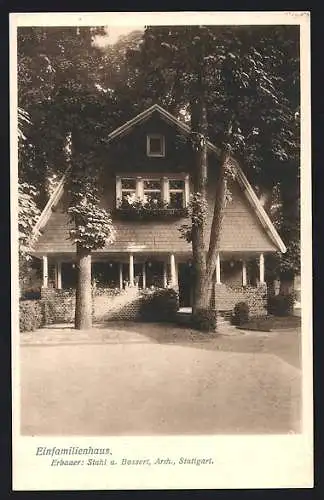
<point x="269" y="323"/>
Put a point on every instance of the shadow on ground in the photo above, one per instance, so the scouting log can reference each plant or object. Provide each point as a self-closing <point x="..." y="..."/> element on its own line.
<point x="285" y="344"/>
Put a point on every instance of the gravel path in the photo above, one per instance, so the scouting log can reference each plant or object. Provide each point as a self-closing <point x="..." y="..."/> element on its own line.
<point x="116" y="381"/>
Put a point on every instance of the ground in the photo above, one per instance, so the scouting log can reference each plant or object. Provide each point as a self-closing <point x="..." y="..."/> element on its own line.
<point x="137" y="379"/>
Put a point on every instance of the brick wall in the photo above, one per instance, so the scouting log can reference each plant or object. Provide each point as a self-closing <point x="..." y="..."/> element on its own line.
<point x="115" y="304"/>
<point x="256" y="297"/>
<point x="108" y="304"/>
<point x="59" y="305"/>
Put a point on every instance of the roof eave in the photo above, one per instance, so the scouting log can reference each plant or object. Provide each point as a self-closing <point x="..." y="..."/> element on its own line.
<point x="259" y="210"/>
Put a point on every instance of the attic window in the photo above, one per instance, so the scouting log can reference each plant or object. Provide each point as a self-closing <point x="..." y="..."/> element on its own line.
<point x="155" y="145"/>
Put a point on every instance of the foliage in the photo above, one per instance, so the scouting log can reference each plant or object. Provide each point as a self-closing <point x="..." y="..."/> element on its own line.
<point x="30" y="315"/>
<point x="58" y="69"/>
<point x="197" y="211"/>
<point x="249" y="79"/>
<point x="28" y="211"/>
<point x="146" y="209"/>
<point x="159" y="305"/>
<point x="28" y="214"/>
<point x="23" y="119"/>
<point x="93" y="226"/>
<point x="281" y="305"/>
<point x="246" y="79"/>
<point x="205" y="320"/>
<point x="240" y="313"/>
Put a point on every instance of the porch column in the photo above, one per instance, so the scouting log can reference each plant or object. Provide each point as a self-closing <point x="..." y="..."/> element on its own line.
<point x="59" y="275"/>
<point x="121" y="275"/>
<point x="131" y="269"/>
<point x="187" y="190"/>
<point x="165" y="190"/>
<point x="244" y="278"/>
<point x="144" y="275"/>
<point x="173" y="276"/>
<point x="165" y="275"/>
<point x="218" y="269"/>
<point x="45" y="271"/>
<point x="261" y="267"/>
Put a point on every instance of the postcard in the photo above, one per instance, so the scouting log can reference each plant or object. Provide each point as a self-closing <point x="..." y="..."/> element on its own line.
<point x="161" y="250"/>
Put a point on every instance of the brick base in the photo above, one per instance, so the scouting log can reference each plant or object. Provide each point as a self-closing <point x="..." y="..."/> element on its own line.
<point x="107" y="304"/>
<point x="256" y="297"/>
<point x="114" y="304"/>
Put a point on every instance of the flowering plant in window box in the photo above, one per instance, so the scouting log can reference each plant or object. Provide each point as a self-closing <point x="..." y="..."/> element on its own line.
<point x="147" y="207"/>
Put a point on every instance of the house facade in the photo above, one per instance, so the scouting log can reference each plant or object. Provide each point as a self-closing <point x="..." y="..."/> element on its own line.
<point x="146" y="186"/>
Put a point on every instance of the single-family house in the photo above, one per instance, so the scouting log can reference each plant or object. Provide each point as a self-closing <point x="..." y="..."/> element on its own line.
<point x="149" y="164"/>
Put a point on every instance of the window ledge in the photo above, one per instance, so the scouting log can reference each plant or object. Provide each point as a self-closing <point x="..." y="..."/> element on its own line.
<point x="143" y="212"/>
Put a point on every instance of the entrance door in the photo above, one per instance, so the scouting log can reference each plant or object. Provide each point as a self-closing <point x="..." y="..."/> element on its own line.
<point x="185" y="284"/>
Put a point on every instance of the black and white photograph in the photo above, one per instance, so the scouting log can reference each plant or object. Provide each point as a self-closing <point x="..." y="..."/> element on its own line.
<point x="161" y="222"/>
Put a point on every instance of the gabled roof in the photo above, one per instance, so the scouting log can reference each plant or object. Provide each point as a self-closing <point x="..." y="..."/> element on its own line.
<point x="126" y="127"/>
<point x="141" y="117"/>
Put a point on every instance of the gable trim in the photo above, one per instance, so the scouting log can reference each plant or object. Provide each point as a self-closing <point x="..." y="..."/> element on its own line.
<point x="52" y="202"/>
<point x="240" y="176"/>
<point x="165" y="114"/>
<point x="259" y="210"/>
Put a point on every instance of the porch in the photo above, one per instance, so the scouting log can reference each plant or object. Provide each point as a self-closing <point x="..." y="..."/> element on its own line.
<point x="151" y="270"/>
<point x="119" y="281"/>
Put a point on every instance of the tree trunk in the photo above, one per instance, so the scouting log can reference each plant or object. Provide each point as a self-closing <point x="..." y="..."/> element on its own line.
<point x="199" y="129"/>
<point x="205" y="262"/>
<point x="83" y="304"/>
<point x="217" y="220"/>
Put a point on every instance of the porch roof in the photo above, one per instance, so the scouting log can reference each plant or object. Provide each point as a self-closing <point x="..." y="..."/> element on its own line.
<point x="163" y="236"/>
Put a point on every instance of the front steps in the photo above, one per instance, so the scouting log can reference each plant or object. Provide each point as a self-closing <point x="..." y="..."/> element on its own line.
<point x="120" y="306"/>
<point x="224" y="326"/>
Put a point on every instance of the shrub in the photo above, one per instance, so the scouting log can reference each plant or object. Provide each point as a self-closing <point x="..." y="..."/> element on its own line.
<point x="159" y="305"/>
<point x="240" y="313"/>
<point x="31" y="294"/>
<point x="281" y="305"/>
<point x="204" y="320"/>
<point x="30" y="315"/>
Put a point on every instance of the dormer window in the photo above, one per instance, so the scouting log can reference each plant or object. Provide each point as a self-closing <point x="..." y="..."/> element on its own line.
<point x="170" y="192"/>
<point x="155" y="145"/>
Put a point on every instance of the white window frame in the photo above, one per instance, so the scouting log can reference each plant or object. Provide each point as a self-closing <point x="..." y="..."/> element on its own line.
<point x="184" y="190"/>
<point x="120" y="190"/>
<point x="149" y="191"/>
<point x="164" y="179"/>
<point x="148" y="144"/>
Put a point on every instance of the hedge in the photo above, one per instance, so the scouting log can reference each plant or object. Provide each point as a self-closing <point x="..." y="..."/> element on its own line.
<point x="240" y="314"/>
<point x="30" y="315"/>
<point x="161" y="304"/>
<point x="281" y="305"/>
